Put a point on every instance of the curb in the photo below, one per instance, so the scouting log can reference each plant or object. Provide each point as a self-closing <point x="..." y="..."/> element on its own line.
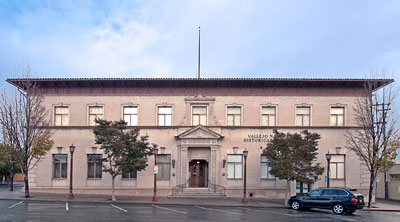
<point x="383" y="210"/>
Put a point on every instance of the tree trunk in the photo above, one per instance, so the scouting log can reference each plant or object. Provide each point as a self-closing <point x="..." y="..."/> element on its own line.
<point x="113" y="193"/>
<point x="12" y="179"/>
<point x="26" y="184"/>
<point x="371" y="187"/>
<point x="287" y="191"/>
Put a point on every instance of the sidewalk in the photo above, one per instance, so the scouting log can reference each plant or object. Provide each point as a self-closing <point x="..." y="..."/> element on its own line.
<point x="381" y="205"/>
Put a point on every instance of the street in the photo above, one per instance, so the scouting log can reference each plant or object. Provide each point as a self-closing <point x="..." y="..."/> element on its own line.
<point x="13" y="210"/>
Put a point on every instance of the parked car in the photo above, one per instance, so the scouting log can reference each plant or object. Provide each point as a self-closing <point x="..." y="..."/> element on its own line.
<point x="339" y="200"/>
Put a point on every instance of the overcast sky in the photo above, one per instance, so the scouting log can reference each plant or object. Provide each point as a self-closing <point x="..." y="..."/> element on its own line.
<point x="316" y="39"/>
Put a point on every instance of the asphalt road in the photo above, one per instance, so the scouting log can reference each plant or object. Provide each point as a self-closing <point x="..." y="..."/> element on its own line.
<point x="67" y="211"/>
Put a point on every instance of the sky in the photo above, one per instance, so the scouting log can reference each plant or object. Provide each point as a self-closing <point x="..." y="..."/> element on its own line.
<point x="248" y="38"/>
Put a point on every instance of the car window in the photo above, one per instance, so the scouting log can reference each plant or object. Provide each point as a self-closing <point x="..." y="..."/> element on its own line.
<point x="329" y="192"/>
<point x="315" y="192"/>
<point x="341" y="192"/>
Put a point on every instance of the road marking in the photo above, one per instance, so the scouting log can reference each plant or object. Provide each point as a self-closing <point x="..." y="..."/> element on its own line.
<point x="169" y="209"/>
<point x="224" y="211"/>
<point x="119" y="208"/>
<point x="266" y="211"/>
<point x="15" y="204"/>
<point x="66" y="206"/>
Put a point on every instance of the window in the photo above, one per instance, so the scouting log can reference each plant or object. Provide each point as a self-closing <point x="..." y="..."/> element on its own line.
<point x="329" y="192"/>
<point x="164" y="164"/>
<point x="341" y="193"/>
<point x="95" y="112"/>
<point x="234" y="166"/>
<point x="164" y="115"/>
<point x="234" y="115"/>
<point x="303" y="187"/>
<point x="129" y="175"/>
<point x="303" y="116"/>
<point x="268" y="116"/>
<point x="199" y="115"/>
<point x="61" y="116"/>
<point x="337" y="116"/>
<point x="60" y="166"/>
<point x="266" y="168"/>
<point x="315" y="193"/>
<point x="336" y="167"/>
<point x="131" y="115"/>
<point x="94" y="166"/>
<point x="395" y="177"/>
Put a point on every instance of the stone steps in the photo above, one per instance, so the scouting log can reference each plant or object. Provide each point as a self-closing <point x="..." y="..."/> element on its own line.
<point x="197" y="193"/>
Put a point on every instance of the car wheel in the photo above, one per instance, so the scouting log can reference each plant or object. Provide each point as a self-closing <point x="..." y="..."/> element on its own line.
<point x="338" y="208"/>
<point x="350" y="211"/>
<point x="295" y="205"/>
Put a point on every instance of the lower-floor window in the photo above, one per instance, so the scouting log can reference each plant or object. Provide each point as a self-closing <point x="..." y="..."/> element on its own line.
<point x="94" y="166"/>
<point x="129" y="175"/>
<point x="235" y="166"/>
<point x="336" y="167"/>
<point x="164" y="166"/>
<point x="303" y="187"/>
<point x="266" y="168"/>
<point x="60" y="166"/>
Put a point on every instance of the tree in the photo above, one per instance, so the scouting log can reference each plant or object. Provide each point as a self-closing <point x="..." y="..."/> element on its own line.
<point x="124" y="151"/>
<point x="376" y="140"/>
<point x="25" y="124"/>
<point x="9" y="162"/>
<point x="292" y="157"/>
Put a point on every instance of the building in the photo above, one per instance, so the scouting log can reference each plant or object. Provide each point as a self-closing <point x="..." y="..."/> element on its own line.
<point x="393" y="177"/>
<point x="202" y="127"/>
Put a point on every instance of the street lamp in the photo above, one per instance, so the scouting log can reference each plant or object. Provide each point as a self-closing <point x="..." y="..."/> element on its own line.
<point x="245" y="153"/>
<point x="328" y="158"/>
<point x="71" y="149"/>
<point x="155" y="198"/>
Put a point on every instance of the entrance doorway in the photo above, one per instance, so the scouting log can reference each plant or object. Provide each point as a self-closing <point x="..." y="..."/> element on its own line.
<point x="198" y="173"/>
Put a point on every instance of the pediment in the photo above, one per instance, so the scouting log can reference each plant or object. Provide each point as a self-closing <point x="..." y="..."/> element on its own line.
<point x="199" y="132"/>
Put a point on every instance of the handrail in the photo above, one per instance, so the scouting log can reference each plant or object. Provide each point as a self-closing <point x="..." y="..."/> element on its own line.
<point x="179" y="188"/>
<point x="215" y="187"/>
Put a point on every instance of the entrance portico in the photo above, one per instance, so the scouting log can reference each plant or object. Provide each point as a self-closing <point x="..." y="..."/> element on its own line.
<point x="198" y="154"/>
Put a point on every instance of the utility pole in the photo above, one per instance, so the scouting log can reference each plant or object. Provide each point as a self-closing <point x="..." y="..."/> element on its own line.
<point x="381" y="123"/>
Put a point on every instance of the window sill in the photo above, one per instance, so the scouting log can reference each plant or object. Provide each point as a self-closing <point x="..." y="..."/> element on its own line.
<point x="59" y="178"/>
<point x="128" y="178"/>
<point x="94" y="178"/>
<point x="235" y="178"/>
<point x="268" y="179"/>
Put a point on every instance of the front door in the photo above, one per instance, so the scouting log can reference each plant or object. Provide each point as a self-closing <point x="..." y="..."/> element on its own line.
<point x="198" y="173"/>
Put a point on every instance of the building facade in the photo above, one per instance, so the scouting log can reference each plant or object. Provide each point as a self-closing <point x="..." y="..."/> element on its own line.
<point x="393" y="178"/>
<point x="202" y="127"/>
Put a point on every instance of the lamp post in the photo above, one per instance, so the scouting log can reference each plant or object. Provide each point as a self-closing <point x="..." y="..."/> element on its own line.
<point x="71" y="149"/>
<point x="155" y="198"/>
<point x="328" y="158"/>
<point x="245" y="200"/>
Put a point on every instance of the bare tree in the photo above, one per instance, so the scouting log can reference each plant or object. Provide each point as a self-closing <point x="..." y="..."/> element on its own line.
<point x="376" y="140"/>
<point x="24" y="123"/>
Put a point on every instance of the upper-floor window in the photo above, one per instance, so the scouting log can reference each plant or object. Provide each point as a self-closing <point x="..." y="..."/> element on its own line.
<point x="131" y="115"/>
<point x="94" y="166"/>
<point x="234" y="115"/>
<point x="336" y="167"/>
<point x="164" y="166"/>
<point x="337" y="116"/>
<point x="303" y="115"/>
<point x="268" y="116"/>
<point x="61" y="116"/>
<point x="199" y="115"/>
<point x="60" y="166"/>
<point x="94" y="113"/>
<point x="235" y="166"/>
<point x="266" y="168"/>
<point x="165" y="115"/>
